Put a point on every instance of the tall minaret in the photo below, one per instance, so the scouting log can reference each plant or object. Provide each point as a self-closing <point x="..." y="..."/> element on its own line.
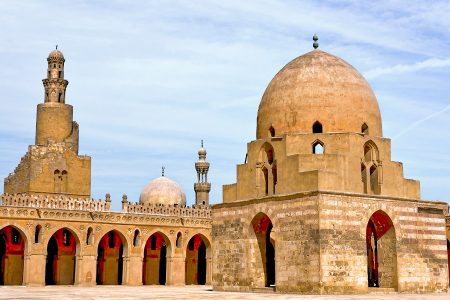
<point x="54" y="121"/>
<point x="202" y="186"/>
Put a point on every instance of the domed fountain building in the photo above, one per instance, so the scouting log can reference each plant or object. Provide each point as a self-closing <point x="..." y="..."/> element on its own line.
<point x="319" y="206"/>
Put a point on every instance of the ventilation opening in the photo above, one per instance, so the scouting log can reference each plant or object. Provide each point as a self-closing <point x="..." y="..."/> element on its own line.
<point x="317" y="147"/>
<point x="136" y="238"/>
<point x="179" y="241"/>
<point x="59" y="74"/>
<point x="59" y="97"/>
<point x="364" y="129"/>
<point x="89" y="236"/>
<point x="272" y="131"/>
<point x="37" y="234"/>
<point x="317" y="127"/>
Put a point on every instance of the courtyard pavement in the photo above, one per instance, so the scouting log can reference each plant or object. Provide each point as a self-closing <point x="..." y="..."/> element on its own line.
<point x="168" y="292"/>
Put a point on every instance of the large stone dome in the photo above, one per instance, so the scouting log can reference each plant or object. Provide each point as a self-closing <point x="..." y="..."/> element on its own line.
<point x="164" y="191"/>
<point x="318" y="86"/>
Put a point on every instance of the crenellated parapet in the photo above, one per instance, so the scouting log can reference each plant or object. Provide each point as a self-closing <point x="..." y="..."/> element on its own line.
<point x="196" y="211"/>
<point x="55" y="202"/>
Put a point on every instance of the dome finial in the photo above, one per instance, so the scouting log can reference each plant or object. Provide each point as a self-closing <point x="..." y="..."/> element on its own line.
<point x="162" y="171"/>
<point x="315" y="39"/>
<point x="56" y="47"/>
<point x="202" y="143"/>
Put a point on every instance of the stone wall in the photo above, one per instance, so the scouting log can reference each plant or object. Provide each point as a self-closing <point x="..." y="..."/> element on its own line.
<point x="27" y="213"/>
<point x="320" y="244"/>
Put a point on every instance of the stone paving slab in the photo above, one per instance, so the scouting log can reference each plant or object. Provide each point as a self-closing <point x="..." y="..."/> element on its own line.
<point x="166" y="292"/>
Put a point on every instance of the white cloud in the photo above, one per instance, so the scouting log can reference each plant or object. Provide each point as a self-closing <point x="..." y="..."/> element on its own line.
<point x="431" y="63"/>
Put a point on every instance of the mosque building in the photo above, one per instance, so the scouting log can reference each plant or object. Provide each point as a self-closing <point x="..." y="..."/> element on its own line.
<point x="53" y="233"/>
<point x="318" y="206"/>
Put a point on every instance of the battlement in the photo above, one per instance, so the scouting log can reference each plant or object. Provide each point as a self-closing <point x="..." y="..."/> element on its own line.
<point x="54" y="202"/>
<point x="196" y="211"/>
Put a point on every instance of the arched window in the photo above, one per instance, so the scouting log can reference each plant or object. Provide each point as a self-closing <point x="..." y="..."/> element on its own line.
<point x="364" y="129"/>
<point x="136" y="238"/>
<point x="179" y="242"/>
<point x="370" y="151"/>
<point x="317" y="127"/>
<point x="89" y="236"/>
<point x="37" y="234"/>
<point x="272" y="131"/>
<point x="317" y="147"/>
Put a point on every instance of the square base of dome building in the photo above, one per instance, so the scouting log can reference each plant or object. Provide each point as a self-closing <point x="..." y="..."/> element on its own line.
<point x="330" y="243"/>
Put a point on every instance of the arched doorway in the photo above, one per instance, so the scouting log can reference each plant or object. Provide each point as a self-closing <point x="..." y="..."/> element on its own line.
<point x="196" y="260"/>
<point x="261" y="227"/>
<point x="381" y="251"/>
<point x="110" y="259"/>
<point x="155" y="259"/>
<point x="61" y="261"/>
<point x="12" y="249"/>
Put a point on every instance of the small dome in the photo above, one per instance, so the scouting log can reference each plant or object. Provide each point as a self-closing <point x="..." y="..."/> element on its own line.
<point x="55" y="55"/>
<point x="202" y="151"/>
<point x="164" y="191"/>
<point x="318" y="87"/>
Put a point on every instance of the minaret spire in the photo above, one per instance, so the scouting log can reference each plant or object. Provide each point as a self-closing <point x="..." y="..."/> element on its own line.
<point x="202" y="187"/>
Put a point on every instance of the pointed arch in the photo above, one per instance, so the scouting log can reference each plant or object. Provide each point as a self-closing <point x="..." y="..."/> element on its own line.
<point x="111" y="250"/>
<point x="381" y="251"/>
<point x="156" y="252"/>
<point x="271" y="131"/>
<point x="318" y="147"/>
<point x="317" y="127"/>
<point x="90" y="236"/>
<point x="13" y="243"/>
<point x="62" y="247"/>
<point x="267" y="173"/>
<point x="37" y="234"/>
<point x="197" y="262"/>
<point x="264" y="248"/>
<point x="370" y="151"/>
<point x="364" y="128"/>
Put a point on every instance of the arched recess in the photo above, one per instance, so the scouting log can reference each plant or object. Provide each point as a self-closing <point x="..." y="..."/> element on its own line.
<point x="267" y="174"/>
<point x="264" y="249"/>
<point x="156" y="251"/>
<point x="12" y="250"/>
<point x="179" y="241"/>
<point x="271" y="131"/>
<point x="381" y="251"/>
<point x="110" y="264"/>
<point x="318" y="147"/>
<point x="370" y="152"/>
<point x="198" y="256"/>
<point x="60" y="266"/>
<point x="364" y="128"/>
<point x="317" y="127"/>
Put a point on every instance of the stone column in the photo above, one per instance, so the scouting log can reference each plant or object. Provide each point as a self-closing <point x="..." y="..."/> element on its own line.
<point x="176" y="270"/>
<point x="34" y="270"/>
<point x="209" y="270"/>
<point x="135" y="264"/>
<point x="86" y="270"/>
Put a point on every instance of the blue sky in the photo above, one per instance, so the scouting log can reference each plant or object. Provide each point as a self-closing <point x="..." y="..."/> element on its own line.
<point x="150" y="79"/>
